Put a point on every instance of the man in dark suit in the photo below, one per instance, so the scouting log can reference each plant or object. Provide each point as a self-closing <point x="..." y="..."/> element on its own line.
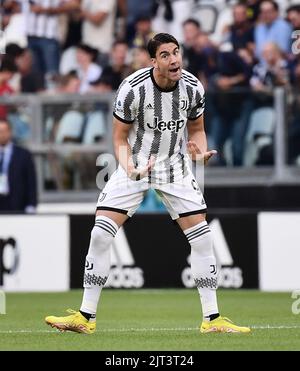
<point x="18" y="190"/>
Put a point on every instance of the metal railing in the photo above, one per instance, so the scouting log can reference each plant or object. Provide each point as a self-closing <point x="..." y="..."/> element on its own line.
<point x="37" y="109"/>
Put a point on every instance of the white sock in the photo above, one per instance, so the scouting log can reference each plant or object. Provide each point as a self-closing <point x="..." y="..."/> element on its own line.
<point x="97" y="264"/>
<point x="204" y="268"/>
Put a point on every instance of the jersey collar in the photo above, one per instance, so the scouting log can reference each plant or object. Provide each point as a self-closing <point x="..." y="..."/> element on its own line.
<point x="158" y="87"/>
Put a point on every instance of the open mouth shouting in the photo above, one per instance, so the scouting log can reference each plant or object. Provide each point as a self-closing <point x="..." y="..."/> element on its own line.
<point x="175" y="72"/>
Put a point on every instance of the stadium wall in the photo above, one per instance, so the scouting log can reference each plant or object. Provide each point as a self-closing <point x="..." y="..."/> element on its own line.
<point x="153" y="252"/>
<point x="46" y="253"/>
<point x="34" y="253"/>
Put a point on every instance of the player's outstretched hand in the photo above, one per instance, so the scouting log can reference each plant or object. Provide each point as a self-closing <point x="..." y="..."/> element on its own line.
<point x="141" y="172"/>
<point x="196" y="154"/>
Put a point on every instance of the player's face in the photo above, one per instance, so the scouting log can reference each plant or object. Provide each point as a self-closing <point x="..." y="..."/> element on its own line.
<point x="168" y="61"/>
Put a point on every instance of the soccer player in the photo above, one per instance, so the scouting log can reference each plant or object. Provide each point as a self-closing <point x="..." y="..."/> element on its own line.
<point x="152" y="108"/>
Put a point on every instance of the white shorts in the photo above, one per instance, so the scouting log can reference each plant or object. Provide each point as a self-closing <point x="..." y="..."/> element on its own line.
<point x="124" y="195"/>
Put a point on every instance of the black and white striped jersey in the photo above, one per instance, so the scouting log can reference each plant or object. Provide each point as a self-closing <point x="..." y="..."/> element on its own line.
<point x="42" y="25"/>
<point x="158" y="118"/>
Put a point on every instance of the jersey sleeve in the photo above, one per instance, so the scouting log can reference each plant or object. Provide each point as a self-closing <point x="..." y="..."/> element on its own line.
<point x="198" y="103"/>
<point x="124" y="105"/>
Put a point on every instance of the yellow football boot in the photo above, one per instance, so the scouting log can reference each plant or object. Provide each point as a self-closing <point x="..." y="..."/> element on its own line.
<point x="222" y="324"/>
<point x="75" y="322"/>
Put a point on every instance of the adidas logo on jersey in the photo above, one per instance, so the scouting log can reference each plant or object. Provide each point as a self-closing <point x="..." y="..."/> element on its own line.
<point x="172" y="125"/>
<point x="149" y="106"/>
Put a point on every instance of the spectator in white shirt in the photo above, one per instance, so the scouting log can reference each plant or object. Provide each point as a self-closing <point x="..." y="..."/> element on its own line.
<point x="98" y="23"/>
<point x="88" y="71"/>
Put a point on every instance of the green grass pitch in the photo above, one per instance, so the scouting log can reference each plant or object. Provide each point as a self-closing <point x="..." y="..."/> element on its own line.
<point x="151" y="320"/>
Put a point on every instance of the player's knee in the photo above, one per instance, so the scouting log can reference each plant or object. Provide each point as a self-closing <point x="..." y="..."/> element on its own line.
<point x="103" y="232"/>
<point x="200" y="238"/>
<point x="204" y="244"/>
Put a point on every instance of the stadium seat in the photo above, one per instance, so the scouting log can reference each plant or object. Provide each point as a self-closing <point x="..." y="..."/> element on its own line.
<point x="224" y="18"/>
<point x="70" y="127"/>
<point x="21" y="128"/>
<point x="49" y="125"/>
<point x="95" y="128"/>
<point x="206" y="15"/>
<point x="259" y="134"/>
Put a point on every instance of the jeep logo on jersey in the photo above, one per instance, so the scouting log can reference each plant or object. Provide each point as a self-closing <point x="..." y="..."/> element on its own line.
<point x="172" y="125"/>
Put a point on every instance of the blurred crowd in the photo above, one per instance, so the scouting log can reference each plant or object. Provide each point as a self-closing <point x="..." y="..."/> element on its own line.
<point x="89" y="46"/>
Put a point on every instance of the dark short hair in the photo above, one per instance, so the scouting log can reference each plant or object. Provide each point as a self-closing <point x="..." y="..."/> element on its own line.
<point x="158" y="40"/>
<point x="8" y="65"/>
<point x="143" y="18"/>
<point x="63" y="80"/>
<point x="293" y="8"/>
<point x="119" y="42"/>
<point x="14" y="50"/>
<point x="89" y="50"/>
<point x="192" y="21"/>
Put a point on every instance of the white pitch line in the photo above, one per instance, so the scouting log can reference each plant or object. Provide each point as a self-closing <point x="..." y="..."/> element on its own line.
<point x="283" y="327"/>
<point x="136" y="329"/>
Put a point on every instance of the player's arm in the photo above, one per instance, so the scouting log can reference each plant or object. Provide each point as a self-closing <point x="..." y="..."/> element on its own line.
<point x="197" y="143"/>
<point x="123" y="151"/>
<point x="95" y="18"/>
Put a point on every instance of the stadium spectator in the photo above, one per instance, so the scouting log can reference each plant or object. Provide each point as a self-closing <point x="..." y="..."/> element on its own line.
<point x="18" y="190"/>
<point x="191" y="30"/>
<point x="293" y="16"/>
<point x="143" y="32"/>
<point x="295" y="71"/>
<point x="273" y="71"/>
<point x="134" y="10"/>
<point x="31" y="81"/>
<point x="170" y="15"/>
<point x="208" y="52"/>
<point x="68" y="84"/>
<point x="12" y="24"/>
<point x="231" y="105"/>
<point x="74" y="29"/>
<point x="42" y="27"/>
<point x="192" y="54"/>
<point x="153" y="107"/>
<point x="61" y="127"/>
<point x="88" y="71"/>
<point x="253" y="10"/>
<point x="140" y="58"/>
<point x="102" y="85"/>
<point x="98" y="23"/>
<point x="9" y="7"/>
<point x="120" y="20"/>
<point x="117" y="69"/>
<point x="7" y="70"/>
<point x="271" y="28"/>
<point x="20" y="81"/>
<point x="240" y="33"/>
